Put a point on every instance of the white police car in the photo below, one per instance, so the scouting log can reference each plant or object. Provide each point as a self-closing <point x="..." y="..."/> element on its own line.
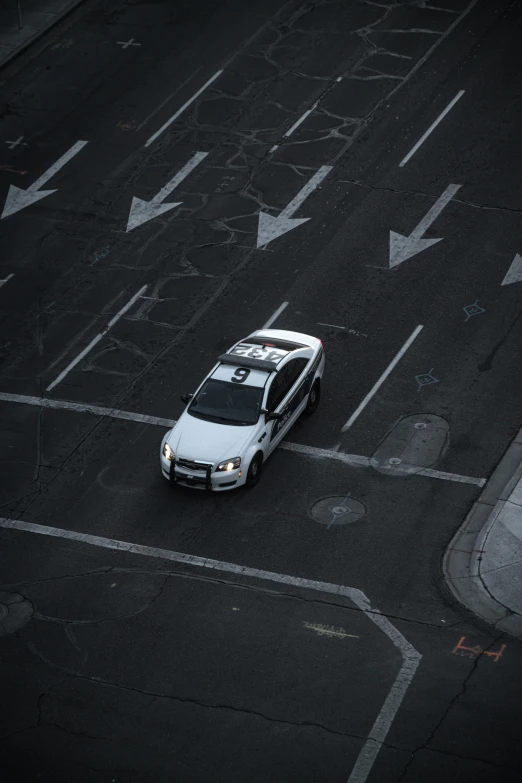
<point x="243" y="409"/>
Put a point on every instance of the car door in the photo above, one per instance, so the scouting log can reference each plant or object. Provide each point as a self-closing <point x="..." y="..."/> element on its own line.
<point x="278" y="400"/>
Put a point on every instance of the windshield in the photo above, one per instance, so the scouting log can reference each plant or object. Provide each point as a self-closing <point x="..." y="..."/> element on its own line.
<point x="227" y="403"/>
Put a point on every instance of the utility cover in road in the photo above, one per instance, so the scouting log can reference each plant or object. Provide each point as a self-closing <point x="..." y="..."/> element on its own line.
<point x="402" y="247"/>
<point x="143" y="211"/>
<point x="514" y="273"/>
<point x="18" y="199"/>
<point x="272" y="227"/>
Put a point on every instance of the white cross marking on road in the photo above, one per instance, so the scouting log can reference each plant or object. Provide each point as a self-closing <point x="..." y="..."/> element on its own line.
<point x="126" y="44"/>
<point x="13" y="144"/>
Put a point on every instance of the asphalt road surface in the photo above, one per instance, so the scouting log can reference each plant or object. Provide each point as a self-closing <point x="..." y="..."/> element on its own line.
<point x="238" y="637"/>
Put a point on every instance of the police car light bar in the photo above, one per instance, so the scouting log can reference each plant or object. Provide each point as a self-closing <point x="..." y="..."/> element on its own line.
<point x="247" y="361"/>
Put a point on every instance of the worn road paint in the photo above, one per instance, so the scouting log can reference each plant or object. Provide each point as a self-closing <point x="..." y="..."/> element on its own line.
<point x="18" y="199"/>
<point x="13" y="144"/>
<point x="126" y="44"/>
<point x="6" y="167"/>
<point x="272" y="227"/>
<point x="473" y="309"/>
<point x="410" y="657"/>
<point x="383" y="377"/>
<point x="96" y="339"/>
<point x="143" y="211"/>
<point x="329" y="630"/>
<point x="354" y="460"/>
<point x="432" y="127"/>
<point x="514" y="273"/>
<point x="6" y="279"/>
<point x="275" y="316"/>
<point x="182" y="109"/>
<point x="404" y="247"/>
<point x="474" y="652"/>
<point x="426" y="379"/>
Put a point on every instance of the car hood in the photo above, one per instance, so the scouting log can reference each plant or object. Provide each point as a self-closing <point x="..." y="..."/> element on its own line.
<point x="193" y="438"/>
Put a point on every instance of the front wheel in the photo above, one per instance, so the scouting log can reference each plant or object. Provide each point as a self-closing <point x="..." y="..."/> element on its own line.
<point x="313" y="398"/>
<point x="254" y="470"/>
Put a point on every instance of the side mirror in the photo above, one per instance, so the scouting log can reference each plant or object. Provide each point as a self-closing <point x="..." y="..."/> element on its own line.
<point x="186" y="398"/>
<point x="273" y="415"/>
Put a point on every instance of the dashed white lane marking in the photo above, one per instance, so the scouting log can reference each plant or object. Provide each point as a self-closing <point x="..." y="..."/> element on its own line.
<point x="432" y="127"/>
<point x="182" y="109"/>
<point x="6" y="279"/>
<point x="97" y="339"/>
<point x="296" y="124"/>
<point x="355" y="460"/>
<point x="410" y="657"/>
<point x="275" y="315"/>
<point x="383" y="377"/>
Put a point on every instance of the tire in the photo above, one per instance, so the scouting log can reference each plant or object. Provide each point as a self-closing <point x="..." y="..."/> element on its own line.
<point x="254" y="470"/>
<point x="313" y="398"/>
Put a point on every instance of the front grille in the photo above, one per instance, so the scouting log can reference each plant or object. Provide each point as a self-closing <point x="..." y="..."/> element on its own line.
<point x="193" y="465"/>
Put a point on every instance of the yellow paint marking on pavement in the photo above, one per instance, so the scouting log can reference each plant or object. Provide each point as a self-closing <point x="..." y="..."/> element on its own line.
<point x="329" y="630"/>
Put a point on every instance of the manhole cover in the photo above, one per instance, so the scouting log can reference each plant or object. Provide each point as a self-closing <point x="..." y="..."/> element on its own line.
<point x="337" y="510"/>
<point x="15" y="612"/>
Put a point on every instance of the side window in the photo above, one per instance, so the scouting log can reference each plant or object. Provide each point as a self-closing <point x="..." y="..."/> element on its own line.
<point x="284" y="381"/>
<point x="295" y="368"/>
<point x="274" y="393"/>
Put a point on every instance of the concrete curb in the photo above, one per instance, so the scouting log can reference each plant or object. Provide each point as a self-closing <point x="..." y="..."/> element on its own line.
<point x="463" y="557"/>
<point x="23" y="39"/>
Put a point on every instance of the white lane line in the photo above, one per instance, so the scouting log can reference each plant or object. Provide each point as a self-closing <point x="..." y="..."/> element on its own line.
<point x="410" y="657"/>
<point x="383" y="377"/>
<point x="182" y="109"/>
<point x="6" y="279"/>
<point x="355" y="460"/>
<point x="312" y="451"/>
<point x="97" y="339"/>
<point x="275" y="315"/>
<point x="296" y="124"/>
<point x="334" y="326"/>
<point x="457" y="477"/>
<point x="432" y="127"/>
<point x="83" y="407"/>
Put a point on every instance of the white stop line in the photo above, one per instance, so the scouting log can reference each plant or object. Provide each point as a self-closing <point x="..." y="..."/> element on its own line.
<point x="410" y="657"/>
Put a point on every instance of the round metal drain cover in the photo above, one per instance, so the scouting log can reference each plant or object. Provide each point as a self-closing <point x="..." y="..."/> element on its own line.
<point x="15" y="612"/>
<point x="337" y="510"/>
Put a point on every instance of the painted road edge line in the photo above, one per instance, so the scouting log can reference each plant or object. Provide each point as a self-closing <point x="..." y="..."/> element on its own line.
<point x="96" y="339"/>
<point x="410" y="657"/>
<point x="432" y="127"/>
<point x="355" y="460"/>
<point x="383" y="377"/>
<point x="182" y="109"/>
<point x="275" y="315"/>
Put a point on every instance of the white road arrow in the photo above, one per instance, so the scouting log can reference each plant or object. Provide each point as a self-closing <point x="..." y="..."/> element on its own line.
<point x="402" y="247"/>
<point x="19" y="199"/>
<point x="272" y="227"/>
<point x="514" y="273"/>
<point x="142" y="211"/>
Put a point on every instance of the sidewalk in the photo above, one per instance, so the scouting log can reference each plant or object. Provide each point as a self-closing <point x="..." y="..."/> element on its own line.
<point x="483" y="563"/>
<point x="23" y="21"/>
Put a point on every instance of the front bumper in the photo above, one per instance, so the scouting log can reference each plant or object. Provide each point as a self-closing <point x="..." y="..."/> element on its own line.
<point x="200" y="476"/>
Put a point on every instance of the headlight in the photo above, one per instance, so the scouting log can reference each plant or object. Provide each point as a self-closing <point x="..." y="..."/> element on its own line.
<point x="230" y="464"/>
<point x="167" y="452"/>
